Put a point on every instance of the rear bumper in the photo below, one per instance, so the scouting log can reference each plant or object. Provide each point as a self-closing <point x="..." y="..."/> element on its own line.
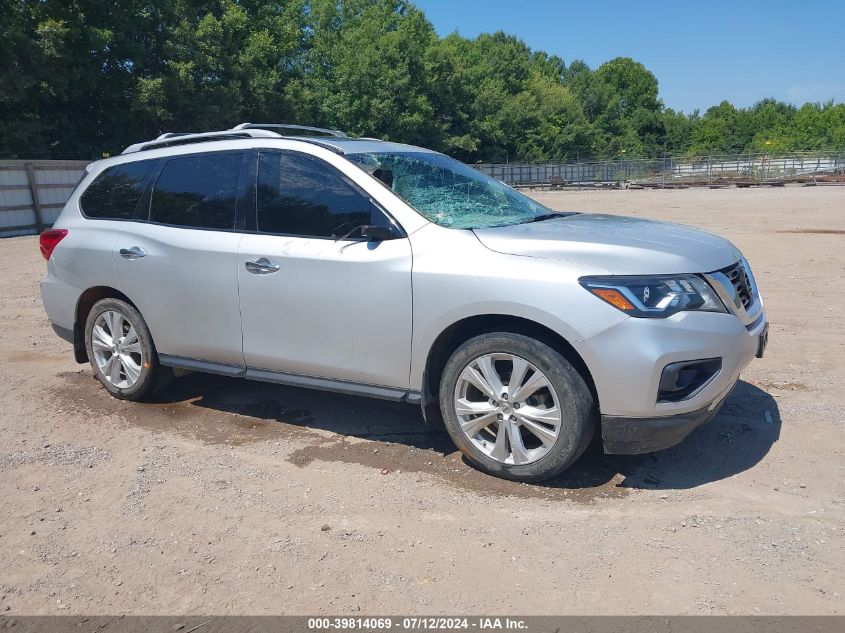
<point x="634" y="436"/>
<point x="60" y="300"/>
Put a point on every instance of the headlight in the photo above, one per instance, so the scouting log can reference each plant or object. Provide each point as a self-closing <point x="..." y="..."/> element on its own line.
<point x="656" y="296"/>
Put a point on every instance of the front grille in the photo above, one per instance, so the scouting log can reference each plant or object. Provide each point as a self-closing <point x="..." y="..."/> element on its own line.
<point x="739" y="278"/>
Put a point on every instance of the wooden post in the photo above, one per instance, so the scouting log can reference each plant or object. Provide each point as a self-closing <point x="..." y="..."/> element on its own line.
<point x="33" y="192"/>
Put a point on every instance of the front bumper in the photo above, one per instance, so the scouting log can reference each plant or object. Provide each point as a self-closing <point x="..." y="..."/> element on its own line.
<point x="626" y="361"/>
<point x="634" y="436"/>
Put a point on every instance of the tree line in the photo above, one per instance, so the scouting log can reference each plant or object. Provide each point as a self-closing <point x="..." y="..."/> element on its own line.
<point x="86" y="78"/>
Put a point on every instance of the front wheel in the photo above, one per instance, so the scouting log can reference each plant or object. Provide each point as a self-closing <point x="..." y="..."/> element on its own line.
<point x="515" y="407"/>
<point x="121" y="350"/>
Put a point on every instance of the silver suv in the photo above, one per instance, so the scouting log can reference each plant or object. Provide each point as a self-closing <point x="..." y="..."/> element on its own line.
<point x="379" y="269"/>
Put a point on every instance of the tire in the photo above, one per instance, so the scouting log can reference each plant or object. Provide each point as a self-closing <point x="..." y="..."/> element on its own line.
<point x="541" y="433"/>
<point x="138" y="372"/>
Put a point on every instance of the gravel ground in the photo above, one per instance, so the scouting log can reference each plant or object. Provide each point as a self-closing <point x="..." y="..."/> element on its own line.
<point x="225" y="496"/>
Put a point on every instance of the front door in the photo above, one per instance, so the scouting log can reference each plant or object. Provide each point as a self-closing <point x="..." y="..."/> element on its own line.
<point x="313" y="304"/>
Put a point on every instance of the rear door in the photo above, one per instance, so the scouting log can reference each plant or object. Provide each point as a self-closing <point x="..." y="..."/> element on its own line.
<point x="178" y="262"/>
<point x="109" y="204"/>
<point x="311" y="303"/>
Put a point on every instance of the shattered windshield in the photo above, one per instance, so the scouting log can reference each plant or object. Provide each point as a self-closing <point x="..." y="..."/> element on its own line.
<point x="448" y="192"/>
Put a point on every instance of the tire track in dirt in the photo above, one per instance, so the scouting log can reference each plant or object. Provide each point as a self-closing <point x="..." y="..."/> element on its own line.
<point x="230" y="412"/>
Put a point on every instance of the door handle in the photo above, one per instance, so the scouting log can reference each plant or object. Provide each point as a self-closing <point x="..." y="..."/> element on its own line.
<point x="261" y="266"/>
<point x="136" y="252"/>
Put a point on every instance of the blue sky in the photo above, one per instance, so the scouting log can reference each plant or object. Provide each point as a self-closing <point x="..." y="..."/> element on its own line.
<point x="701" y="52"/>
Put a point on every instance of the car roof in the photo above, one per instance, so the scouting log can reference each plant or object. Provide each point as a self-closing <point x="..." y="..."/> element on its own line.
<point x="333" y="140"/>
<point x="173" y="144"/>
<point x="350" y="145"/>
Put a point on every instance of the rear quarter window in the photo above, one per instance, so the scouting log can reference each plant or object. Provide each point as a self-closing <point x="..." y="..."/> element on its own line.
<point x="115" y="193"/>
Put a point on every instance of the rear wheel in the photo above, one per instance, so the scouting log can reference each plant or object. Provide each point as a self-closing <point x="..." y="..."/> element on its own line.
<point x="515" y="407"/>
<point x="121" y="350"/>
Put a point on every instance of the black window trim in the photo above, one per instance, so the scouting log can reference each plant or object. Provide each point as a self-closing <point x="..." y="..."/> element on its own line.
<point x="246" y="204"/>
<point x="138" y="205"/>
<point x="360" y="190"/>
<point x="147" y="198"/>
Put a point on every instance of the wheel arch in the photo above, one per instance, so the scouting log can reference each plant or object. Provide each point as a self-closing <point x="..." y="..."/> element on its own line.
<point x="461" y="331"/>
<point x="84" y="304"/>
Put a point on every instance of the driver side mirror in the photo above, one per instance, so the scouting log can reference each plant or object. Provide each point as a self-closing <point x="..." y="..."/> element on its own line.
<point x="378" y="233"/>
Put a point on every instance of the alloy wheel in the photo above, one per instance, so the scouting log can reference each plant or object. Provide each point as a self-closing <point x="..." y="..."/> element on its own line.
<point x="117" y="349"/>
<point x="507" y="408"/>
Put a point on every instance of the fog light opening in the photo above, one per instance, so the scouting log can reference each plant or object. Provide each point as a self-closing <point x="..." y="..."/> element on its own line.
<point x="681" y="381"/>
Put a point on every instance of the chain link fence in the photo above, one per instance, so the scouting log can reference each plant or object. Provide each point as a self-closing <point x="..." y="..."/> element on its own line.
<point x="745" y="170"/>
<point x="33" y="192"/>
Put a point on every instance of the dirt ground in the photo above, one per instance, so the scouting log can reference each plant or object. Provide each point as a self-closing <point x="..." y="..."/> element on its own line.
<point x="226" y="496"/>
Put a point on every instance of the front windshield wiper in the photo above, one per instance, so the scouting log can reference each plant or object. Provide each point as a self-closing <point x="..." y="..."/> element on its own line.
<point x="544" y="216"/>
<point x="538" y="218"/>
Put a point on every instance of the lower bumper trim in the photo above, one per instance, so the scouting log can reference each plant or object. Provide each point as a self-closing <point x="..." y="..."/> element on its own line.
<point x="74" y="337"/>
<point x="63" y="333"/>
<point x="634" y="436"/>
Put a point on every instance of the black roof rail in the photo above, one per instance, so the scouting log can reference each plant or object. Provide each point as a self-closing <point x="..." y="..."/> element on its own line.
<point x="327" y="144"/>
<point x="289" y="126"/>
<point x="242" y="131"/>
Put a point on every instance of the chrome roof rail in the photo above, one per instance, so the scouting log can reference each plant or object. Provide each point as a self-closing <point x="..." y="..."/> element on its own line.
<point x="289" y="126"/>
<point x="172" y="138"/>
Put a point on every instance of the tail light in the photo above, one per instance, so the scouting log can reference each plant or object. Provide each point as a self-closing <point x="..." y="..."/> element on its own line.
<point x="49" y="239"/>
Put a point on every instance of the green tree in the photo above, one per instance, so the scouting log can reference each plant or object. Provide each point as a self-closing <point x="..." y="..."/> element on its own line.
<point x="678" y="131"/>
<point x="84" y="78"/>
<point x="365" y="71"/>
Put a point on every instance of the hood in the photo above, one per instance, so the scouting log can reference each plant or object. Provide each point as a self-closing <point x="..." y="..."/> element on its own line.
<point x="620" y="245"/>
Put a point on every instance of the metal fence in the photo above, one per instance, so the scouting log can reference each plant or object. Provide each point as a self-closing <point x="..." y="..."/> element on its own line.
<point x="32" y="193"/>
<point x="745" y="170"/>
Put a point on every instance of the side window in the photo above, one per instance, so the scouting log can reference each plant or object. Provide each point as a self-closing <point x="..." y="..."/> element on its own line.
<point x="300" y="195"/>
<point x="197" y="191"/>
<point x="115" y="193"/>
